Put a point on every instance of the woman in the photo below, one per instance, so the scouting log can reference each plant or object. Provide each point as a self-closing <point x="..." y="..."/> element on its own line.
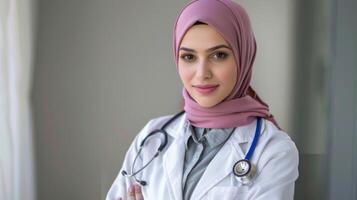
<point x="224" y="121"/>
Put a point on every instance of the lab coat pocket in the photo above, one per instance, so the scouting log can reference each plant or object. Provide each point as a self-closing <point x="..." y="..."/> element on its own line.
<point x="227" y="193"/>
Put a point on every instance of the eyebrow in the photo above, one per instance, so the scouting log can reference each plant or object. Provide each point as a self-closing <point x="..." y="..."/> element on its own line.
<point x="208" y="50"/>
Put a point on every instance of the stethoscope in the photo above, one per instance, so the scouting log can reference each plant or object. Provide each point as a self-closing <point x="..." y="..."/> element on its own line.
<point x="243" y="169"/>
<point x="161" y="147"/>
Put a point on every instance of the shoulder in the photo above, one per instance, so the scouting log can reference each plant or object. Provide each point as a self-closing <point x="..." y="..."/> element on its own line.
<point x="278" y="139"/>
<point x="278" y="144"/>
<point x="277" y="160"/>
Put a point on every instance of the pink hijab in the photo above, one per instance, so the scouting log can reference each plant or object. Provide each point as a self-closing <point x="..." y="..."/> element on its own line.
<point x="243" y="105"/>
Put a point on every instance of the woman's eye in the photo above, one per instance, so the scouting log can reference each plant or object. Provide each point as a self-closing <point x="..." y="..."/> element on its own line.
<point x="187" y="57"/>
<point x="219" y="55"/>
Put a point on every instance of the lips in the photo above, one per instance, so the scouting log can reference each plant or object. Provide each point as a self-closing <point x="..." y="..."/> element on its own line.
<point x="205" y="86"/>
<point x="205" y="89"/>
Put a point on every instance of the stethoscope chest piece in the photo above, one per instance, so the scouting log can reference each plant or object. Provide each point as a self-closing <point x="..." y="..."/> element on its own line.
<point x="244" y="170"/>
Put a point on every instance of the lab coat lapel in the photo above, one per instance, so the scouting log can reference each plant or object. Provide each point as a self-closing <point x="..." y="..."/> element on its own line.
<point x="173" y="161"/>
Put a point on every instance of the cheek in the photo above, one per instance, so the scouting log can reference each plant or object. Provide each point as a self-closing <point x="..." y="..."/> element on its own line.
<point x="228" y="76"/>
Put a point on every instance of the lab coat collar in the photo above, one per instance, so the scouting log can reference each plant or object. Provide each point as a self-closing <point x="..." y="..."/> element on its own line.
<point x="173" y="164"/>
<point x="246" y="133"/>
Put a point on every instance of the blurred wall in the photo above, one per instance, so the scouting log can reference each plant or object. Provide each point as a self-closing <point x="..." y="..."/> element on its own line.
<point x="313" y="50"/>
<point x="342" y="95"/>
<point x="104" y="68"/>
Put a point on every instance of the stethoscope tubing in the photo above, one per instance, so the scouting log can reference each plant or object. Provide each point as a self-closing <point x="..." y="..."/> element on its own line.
<point x="249" y="155"/>
<point x="161" y="147"/>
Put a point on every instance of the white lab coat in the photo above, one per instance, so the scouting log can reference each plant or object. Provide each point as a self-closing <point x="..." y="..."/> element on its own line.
<point x="276" y="159"/>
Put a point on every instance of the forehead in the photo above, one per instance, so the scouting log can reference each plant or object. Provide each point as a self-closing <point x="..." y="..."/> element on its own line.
<point x="202" y="37"/>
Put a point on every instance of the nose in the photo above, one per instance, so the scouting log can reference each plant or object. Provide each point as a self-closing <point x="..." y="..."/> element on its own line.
<point x="203" y="70"/>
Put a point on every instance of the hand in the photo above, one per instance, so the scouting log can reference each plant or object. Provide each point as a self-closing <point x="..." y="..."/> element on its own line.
<point x="134" y="193"/>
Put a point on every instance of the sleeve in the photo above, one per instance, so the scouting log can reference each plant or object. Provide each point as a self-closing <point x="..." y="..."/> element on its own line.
<point x="121" y="183"/>
<point x="276" y="180"/>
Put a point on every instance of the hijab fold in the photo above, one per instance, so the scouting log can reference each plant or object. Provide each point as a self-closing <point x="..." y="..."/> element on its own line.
<point x="243" y="104"/>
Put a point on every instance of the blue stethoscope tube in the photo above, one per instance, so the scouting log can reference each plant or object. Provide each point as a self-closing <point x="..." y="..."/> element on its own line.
<point x="249" y="155"/>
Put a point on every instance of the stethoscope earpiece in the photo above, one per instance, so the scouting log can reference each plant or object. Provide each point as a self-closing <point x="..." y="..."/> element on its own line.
<point x="142" y="183"/>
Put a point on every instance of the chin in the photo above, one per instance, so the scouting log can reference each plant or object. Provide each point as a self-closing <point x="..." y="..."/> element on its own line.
<point x="207" y="104"/>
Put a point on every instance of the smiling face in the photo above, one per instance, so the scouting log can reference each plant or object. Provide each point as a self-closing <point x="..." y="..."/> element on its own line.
<point x="206" y="65"/>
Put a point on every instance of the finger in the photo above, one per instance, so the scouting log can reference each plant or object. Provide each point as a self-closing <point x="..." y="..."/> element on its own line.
<point x="138" y="194"/>
<point x="131" y="193"/>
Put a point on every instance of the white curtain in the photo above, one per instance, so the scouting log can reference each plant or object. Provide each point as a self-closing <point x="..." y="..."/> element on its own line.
<point x="17" y="174"/>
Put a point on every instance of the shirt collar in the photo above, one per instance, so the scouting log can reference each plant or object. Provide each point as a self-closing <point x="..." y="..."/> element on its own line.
<point x="212" y="138"/>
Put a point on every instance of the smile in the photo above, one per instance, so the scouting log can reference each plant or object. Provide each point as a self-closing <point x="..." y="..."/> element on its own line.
<point x="206" y="90"/>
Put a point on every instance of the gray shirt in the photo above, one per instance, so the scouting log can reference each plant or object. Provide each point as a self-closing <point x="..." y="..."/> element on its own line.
<point x="202" y="145"/>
